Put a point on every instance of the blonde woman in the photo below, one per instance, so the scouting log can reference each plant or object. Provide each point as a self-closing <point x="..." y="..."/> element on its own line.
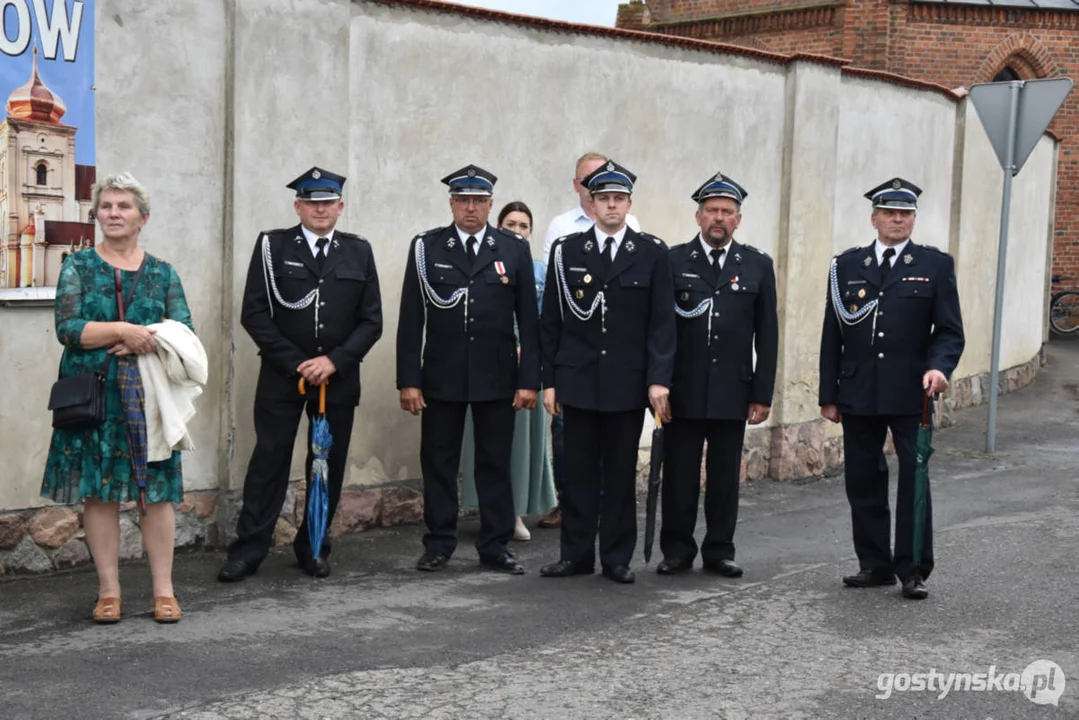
<point x="94" y="466"/>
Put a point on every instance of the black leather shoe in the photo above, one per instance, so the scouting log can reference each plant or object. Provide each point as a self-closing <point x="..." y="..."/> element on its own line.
<point x="673" y="566"/>
<point x="432" y="561"/>
<point x="505" y="563"/>
<point x="915" y="590"/>
<point x="236" y="570"/>
<point x="869" y="578"/>
<point x="620" y="574"/>
<point x="566" y="568"/>
<point x="726" y="568"/>
<point x="316" y="567"/>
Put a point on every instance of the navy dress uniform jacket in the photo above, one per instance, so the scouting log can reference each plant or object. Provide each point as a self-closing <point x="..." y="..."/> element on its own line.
<point x="876" y="366"/>
<point x="608" y="369"/>
<point x="478" y="363"/>
<point x="349" y="312"/>
<point x="717" y="380"/>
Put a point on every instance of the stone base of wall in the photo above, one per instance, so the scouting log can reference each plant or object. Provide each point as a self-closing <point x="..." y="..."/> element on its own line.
<point x="52" y="538"/>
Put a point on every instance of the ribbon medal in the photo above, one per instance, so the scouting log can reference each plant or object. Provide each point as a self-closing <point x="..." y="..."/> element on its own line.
<point x="734" y="283"/>
<point x="500" y="268"/>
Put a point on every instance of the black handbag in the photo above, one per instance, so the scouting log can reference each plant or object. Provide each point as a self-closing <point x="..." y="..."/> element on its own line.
<point x="77" y="402"/>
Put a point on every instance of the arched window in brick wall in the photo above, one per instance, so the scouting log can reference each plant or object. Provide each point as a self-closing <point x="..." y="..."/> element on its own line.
<point x="42" y="174"/>
<point x="1006" y="74"/>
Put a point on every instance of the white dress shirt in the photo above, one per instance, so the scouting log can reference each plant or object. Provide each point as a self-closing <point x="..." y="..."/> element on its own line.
<point x="466" y="235"/>
<point x="708" y="249"/>
<point x="574" y="221"/>
<point x="312" y="240"/>
<point x="602" y="238"/>
<point x="880" y="247"/>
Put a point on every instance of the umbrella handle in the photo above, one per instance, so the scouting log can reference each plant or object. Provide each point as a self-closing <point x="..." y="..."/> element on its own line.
<point x="659" y="423"/>
<point x="927" y="402"/>
<point x="321" y="395"/>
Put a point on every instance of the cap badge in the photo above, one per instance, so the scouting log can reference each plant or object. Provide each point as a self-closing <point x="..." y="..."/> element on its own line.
<point x="908" y="259"/>
<point x="316" y="174"/>
<point x="472" y="172"/>
<point x="896" y="184"/>
<point x="718" y="177"/>
<point x="610" y="166"/>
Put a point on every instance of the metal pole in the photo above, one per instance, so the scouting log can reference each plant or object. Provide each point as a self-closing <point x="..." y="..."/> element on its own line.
<point x="1002" y="252"/>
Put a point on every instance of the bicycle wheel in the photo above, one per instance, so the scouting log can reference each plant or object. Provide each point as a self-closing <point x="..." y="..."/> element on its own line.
<point x="1064" y="313"/>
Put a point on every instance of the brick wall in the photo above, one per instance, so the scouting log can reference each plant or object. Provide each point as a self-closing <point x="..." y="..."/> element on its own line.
<point x="951" y="45"/>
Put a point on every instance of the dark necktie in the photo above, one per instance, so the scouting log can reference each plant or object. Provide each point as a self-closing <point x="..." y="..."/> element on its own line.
<point x="320" y="252"/>
<point x="471" y="245"/>
<point x="608" y="253"/>
<point x="717" y="257"/>
<point x="886" y="264"/>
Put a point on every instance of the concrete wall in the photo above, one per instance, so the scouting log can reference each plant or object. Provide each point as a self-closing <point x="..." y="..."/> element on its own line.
<point x="249" y="105"/>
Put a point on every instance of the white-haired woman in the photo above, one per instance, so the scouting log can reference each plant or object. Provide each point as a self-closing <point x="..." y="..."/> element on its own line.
<point x="95" y="466"/>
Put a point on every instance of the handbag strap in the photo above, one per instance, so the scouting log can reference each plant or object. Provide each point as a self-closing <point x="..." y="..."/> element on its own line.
<point x="123" y="300"/>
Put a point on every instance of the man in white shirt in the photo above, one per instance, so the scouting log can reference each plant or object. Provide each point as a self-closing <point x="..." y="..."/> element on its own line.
<point x="581" y="217"/>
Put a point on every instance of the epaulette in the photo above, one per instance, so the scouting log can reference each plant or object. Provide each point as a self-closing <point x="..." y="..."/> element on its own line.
<point x="511" y="234"/>
<point x="682" y="246"/>
<point x="934" y="249"/>
<point x="275" y="231"/>
<point x="352" y="236"/>
<point x="432" y="231"/>
<point x="848" y="251"/>
<point x="757" y="250"/>
<point x="654" y="239"/>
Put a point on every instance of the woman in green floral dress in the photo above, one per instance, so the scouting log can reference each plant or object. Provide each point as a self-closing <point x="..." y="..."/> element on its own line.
<point x="94" y="466"/>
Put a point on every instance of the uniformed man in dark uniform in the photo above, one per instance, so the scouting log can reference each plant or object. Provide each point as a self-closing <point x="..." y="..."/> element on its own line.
<point x="893" y="332"/>
<point x="464" y="285"/>
<point x="725" y="299"/>
<point x="607" y="333"/>
<point x="313" y="307"/>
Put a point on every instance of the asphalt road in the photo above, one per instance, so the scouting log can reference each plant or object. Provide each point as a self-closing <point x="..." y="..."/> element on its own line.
<point x="379" y="640"/>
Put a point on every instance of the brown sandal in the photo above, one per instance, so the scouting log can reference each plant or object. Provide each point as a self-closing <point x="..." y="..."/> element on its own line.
<point x="166" y="610"/>
<point x="107" y="611"/>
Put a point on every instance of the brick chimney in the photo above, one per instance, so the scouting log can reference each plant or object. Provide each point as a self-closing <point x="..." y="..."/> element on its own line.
<point x="633" y="15"/>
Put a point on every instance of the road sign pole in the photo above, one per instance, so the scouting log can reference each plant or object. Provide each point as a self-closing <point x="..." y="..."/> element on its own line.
<point x="1002" y="250"/>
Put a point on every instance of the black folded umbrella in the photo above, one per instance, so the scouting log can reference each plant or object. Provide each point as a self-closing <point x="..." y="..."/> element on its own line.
<point x="654" y="479"/>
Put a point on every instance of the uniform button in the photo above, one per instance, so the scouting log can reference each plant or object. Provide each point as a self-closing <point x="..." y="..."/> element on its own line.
<point x="880" y="355"/>
<point x="880" y="334"/>
<point x="322" y="304"/>
<point x="471" y="282"/>
<point x="880" y="294"/>
<point x="604" y="329"/>
<point x="472" y="301"/>
<point x="602" y="352"/>
<point x="320" y="281"/>
<point x="715" y="314"/>
<point x="319" y="348"/>
<point x="880" y="312"/>
<point x="713" y="360"/>
<point x="471" y="339"/>
<point x="717" y="292"/>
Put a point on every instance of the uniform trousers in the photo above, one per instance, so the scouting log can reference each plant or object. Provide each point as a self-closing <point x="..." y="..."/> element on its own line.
<point x="266" y="483"/>
<point x="597" y="440"/>
<point x="867" y="491"/>
<point x="684" y="440"/>
<point x="442" y="428"/>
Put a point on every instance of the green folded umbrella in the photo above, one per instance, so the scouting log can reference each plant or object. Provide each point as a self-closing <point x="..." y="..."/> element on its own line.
<point x="923" y="449"/>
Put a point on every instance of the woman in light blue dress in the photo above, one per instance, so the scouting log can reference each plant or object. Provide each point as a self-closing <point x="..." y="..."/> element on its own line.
<point x="530" y="460"/>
